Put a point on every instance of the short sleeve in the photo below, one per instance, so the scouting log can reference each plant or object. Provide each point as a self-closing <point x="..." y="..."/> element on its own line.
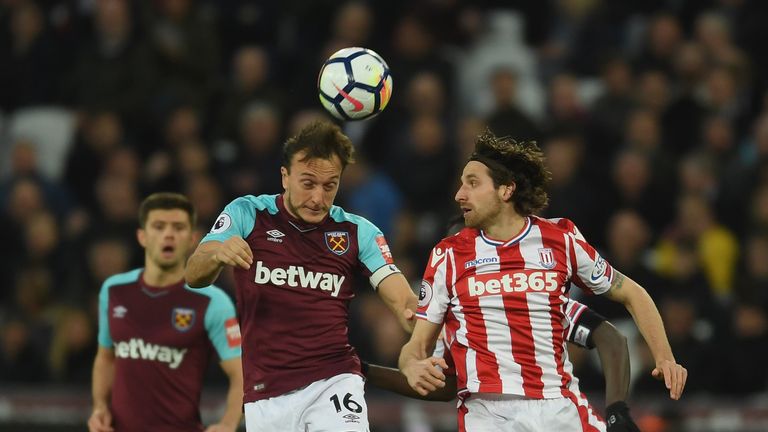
<point x="237" y="219"/>
<point x="591" y="272"/>
<point x="222" y="325"/>
<point x="104" y="337"/>
<point x="374" y="253"/>
<point x="434" y="292"/>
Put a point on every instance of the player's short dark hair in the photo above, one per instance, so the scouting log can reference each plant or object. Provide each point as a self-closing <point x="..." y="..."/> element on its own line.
<point x="319" y="140"/>
<point x="521" y="162"/>
<point x="166" y="201"/>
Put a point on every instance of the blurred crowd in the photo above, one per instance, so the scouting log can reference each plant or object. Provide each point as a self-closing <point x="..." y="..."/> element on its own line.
<point x="653" y="115"/>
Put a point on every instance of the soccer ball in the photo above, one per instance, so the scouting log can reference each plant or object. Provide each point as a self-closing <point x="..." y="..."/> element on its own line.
<point x="354" y="84"/>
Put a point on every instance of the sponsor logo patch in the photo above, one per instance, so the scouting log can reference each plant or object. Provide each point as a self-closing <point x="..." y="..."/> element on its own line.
<point x="275" y="236"/>
<point x="232" y="330"/>
<point x="182" y="318"/>
<point x="384" y="248"/>
<point x="481" y="261"/>
<point x="351" y="418"/>
<point x="137" y="348"/>
<point x="599" y="269"/>
<point x="425" y="293"/>
<point x="337" y="241"/>
<point x="119" y="311"/>
<point x="581" y="335"/>
<point x="437" y="256"/>
<point x="298" y="276"/>
<point x="223" y="222"/>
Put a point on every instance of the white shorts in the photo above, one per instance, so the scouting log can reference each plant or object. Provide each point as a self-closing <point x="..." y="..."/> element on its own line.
<point x="527" y="415"/>
<point x="335" y="404"/>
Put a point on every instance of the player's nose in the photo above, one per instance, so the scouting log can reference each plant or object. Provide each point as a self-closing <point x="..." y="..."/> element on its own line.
<point x="460" y="195"/>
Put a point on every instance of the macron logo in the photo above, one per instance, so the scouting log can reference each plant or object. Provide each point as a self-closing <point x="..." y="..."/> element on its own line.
<point x="136" y="348"/>
<point x="298" y="276"/>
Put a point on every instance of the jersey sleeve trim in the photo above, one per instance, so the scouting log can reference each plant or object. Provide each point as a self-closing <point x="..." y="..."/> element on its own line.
<point x="239" y="217"/>
<point x="104" y="336"/>
<point x="221" y="323"/>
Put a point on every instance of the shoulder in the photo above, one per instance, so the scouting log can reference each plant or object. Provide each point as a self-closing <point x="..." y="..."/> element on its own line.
<point x="338" y="214"/>
<point x="465" y="237"/>
<point x="260" y="203"/>
<point x="364" y="226"/>
<point x="216" y="295"/>
<point x="562" y="225"/>
<point x="123" y="278"/>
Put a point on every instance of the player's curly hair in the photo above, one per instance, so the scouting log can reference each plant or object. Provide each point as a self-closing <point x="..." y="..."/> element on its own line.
<point x="319" y="140"/>
<point x="521" y="162"/>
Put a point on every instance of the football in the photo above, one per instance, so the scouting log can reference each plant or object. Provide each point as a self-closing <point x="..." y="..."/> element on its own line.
<point x="354" y="84"/>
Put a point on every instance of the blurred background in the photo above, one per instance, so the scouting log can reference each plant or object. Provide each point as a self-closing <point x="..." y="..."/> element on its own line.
<point x="653" y="115"/>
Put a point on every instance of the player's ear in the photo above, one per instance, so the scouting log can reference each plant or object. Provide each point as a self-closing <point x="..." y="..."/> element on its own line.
<point x="506" y="191"/>
<point x="141" y="235"/>
<point x="284" y="176"/>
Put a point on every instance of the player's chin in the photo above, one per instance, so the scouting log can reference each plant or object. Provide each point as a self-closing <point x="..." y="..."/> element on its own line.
<point x="313" y="216"/>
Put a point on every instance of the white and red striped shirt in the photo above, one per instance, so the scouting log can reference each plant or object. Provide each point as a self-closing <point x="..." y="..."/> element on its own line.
<point x="504" y="305"/>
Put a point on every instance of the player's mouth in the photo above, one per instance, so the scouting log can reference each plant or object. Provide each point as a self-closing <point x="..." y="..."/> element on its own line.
<point x="168" y="250"/>
<point x="315" y="211"/>
<point x="465" y="210"/>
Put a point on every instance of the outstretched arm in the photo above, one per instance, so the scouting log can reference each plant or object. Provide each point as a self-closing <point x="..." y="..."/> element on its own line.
<point x="640" y="305"/>
<point x="415" y="364"/>
<point x="400" y="299"/>
<point x="391" y="379"/>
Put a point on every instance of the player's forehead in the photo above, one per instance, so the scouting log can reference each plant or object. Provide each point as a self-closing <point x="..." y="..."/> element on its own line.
<point x="316" y="168"/>
<point x="167" y="216"/>
<point x="476" y="170"/>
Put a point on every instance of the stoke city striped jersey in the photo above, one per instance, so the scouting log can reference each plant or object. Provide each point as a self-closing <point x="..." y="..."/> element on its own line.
<point x="504" y="304"/>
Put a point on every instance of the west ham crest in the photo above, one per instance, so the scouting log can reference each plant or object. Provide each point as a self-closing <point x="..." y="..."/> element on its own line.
<point x="182" y="318"/>
<point x="546" y="258"/>
<point x="337" y="241"/>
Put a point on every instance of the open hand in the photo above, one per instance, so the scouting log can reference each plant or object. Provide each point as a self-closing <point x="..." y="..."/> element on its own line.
<point x="674" y="376"/>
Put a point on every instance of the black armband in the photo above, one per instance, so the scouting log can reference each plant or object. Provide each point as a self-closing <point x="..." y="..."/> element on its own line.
<point x="583" y="328"/>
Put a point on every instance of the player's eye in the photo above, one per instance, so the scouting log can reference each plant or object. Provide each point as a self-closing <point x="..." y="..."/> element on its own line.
<point x="329" y="186"/>
<point x="307" y="184"/>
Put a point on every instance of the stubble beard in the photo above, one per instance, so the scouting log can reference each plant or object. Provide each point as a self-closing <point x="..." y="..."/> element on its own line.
<point x="295" y="209"/>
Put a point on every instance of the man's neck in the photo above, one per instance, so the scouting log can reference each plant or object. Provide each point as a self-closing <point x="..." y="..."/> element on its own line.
<point x="157" y="277"/>
<point x="507" y="226"/>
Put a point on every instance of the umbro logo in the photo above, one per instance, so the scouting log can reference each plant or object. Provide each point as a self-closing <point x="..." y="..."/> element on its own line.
<point x="275" y="236"/>
<point x="351" y="418"/>
<point x="119" y="311"/>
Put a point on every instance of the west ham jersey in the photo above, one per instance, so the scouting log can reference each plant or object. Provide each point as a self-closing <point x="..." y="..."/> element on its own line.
<point x="293" y="300"/>
<point x="504" y="305"/>
<point x="162" y="339"/>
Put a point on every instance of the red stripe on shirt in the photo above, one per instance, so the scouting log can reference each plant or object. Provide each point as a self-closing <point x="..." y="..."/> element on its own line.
<point x="520" y="331"/>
